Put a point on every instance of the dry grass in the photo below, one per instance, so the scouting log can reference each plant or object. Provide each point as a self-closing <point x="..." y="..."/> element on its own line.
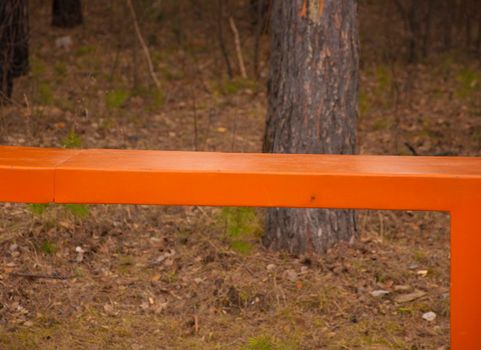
<point x="166" y="278"/>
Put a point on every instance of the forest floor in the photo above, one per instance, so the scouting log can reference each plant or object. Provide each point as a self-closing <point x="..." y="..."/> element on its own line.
<point x="147" y="277"/>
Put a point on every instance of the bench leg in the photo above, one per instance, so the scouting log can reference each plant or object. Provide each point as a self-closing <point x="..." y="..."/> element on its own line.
<point x="466" y="278"/>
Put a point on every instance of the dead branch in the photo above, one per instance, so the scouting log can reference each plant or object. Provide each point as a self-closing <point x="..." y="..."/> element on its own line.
<point x="143" y="44"/>
<point x="238" y="48"/>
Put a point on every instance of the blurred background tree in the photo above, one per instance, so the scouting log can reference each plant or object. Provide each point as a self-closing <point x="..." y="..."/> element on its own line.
<point x="66" y="13"/>
<point x="13" y="44"/>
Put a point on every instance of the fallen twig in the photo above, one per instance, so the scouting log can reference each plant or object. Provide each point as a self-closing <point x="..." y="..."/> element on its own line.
<point x="411" y="148"/>
<point x="196" y="324"/>
<point x="55" y="276"/>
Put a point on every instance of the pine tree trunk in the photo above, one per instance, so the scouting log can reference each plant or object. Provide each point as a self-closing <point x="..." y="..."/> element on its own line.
<point x="312" y="108"/>
<point x="13" y="44"/>
<point x="66" y="13"/>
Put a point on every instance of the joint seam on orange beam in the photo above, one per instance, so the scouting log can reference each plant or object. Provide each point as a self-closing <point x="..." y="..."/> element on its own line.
<point x="55" y="169"/>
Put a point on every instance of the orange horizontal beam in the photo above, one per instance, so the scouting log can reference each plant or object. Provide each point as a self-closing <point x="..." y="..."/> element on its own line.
<point x="275" y="180"/>
<point x="28" y="174"/>
<point x="194" y="178"/>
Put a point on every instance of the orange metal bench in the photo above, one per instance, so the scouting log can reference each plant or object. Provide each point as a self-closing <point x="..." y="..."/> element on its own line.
<point x="453" y="185"/>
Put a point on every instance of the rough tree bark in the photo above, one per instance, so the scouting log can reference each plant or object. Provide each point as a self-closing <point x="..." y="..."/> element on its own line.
<point x="312" y="108"/>
<point x="66" y="13"/>
<point x="13" y="44"/>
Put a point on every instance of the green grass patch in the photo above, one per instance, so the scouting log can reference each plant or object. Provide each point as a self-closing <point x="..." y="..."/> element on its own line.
<point x="405" y="310"/>
<point x="77" y="210"/>
<point x="383" y="78"/>
<point x="44" y="94"/>
<point x="268" y="343"/>
<point x="241" y="246"/>
<point x="79" y="272"/>
<point x="85" y="50"/>
<point x="233" y="86"/>
<point x="72" y="140"/>
<point x="157" y="97"/>
<point x="364" y="103"/>
<point x="60" y="69"/>
<point x="468" y="81"/>
<point x="48" y="247"/>
<point x="37" y="208"/>
<point x="381" y="124"/>
<point x="37" y="67"/>
<point x="259" y="343"/>
<point x="154" y="96"/>
<point x="115" y="99"/>
<point x="241" y="226"/>
<point x="240" y="221"/>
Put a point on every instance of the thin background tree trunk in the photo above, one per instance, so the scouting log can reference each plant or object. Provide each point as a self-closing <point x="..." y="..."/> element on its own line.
<point x="220" y="35"/>
<point x="312" y="108"/>
<point x="13" y="44"/>
<point x="66" y="13"/>
<point x="448" y="26"/>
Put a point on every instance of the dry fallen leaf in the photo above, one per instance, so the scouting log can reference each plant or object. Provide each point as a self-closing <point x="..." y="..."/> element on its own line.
<point x="429" y="316"/>
<point x="405" y="298"/>
<point x="109" y="309"/>
<point x="379" y="293"/>
<point x="291" y="275"/>
<point x="402" y="288"/>
<point x="422" y="273"/>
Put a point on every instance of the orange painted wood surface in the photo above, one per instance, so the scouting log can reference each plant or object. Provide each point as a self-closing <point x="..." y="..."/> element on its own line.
<point x="194" y="178"/>
<point x="27" y="174"/>
<point x="450" y="184"/>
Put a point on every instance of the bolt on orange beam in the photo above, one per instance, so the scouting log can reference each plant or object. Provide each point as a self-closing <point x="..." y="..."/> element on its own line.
<point x="450" y="184"/>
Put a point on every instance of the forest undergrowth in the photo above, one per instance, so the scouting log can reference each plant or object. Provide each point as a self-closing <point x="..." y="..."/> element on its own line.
<point x="147" y="277"/>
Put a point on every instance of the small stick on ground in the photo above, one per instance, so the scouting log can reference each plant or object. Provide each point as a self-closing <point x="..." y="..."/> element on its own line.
<point x="411" y="148"/>
<point x="143" y="44"/>
<point x="196" y="324"/>
<point x="238" y="48"/>
<point x="54" y="276"/>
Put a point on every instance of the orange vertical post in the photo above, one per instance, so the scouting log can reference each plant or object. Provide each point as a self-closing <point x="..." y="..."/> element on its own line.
<point x="466" y="277"/>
